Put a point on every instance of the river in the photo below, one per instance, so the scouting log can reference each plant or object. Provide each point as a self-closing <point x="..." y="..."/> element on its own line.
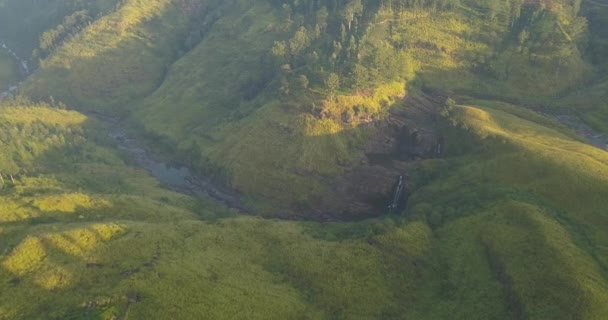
<point x="172" y="176"/>
<point x="593" y="137"/>
<point x="175" y="177"/>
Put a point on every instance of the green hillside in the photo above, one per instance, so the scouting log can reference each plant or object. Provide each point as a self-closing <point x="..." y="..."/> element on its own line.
<point x="456" y="47"/>
<point x="309" y="112"/>
<point x="211" y="80"/>
<point x="479" y="241"/>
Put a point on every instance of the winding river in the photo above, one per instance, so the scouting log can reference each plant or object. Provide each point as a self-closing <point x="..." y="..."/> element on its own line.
<point x="172" y="176"/>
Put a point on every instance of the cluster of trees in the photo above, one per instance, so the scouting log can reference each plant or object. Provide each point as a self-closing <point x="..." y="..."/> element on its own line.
<point x="22" y="142"/>
<point x="597" y="14"/>
<point x="330" y="45"/>
<point x="549" y="38"/>
<point x="328" y="48"/>
<point x="54" y="37"/>
<point x="551" y="35"/>
<point x="23" y="21"/>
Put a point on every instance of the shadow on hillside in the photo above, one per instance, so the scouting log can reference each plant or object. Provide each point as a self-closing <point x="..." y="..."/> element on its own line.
<point x="54" y="260"/>
<point x="349" y="174"/>
<point x="131" y="65"/>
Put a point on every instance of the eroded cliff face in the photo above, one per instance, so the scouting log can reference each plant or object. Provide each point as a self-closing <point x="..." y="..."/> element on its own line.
<point x="410" y="133"/>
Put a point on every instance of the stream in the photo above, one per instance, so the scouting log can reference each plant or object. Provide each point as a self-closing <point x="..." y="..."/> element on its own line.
<point x="172" y="176"/>
<point x="593" y="137"/>
<point x="23" y="67"/>
<point x="175" y="177"/>
<point x="23" y="64"/>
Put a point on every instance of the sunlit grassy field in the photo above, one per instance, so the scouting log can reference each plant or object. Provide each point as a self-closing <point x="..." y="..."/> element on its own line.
<point x="119" y="57"/>
<point x="532" y="201"/>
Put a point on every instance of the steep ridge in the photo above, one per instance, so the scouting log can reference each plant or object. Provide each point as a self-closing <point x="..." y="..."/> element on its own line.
<point x="117" y="58"/>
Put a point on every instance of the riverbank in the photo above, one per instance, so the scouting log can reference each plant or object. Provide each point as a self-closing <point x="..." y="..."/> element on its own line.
<point x="172" y="176"/>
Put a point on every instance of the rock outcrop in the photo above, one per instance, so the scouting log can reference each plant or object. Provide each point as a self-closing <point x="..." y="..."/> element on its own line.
<point x="409" y="134"/>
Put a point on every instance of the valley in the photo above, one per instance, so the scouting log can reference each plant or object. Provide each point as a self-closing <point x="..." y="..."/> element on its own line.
<point x="173" y="176"/>
<point x="352" y="159"/>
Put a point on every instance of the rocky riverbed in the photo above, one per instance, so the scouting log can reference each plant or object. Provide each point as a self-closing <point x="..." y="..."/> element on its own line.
<point x="173" y="176"/>
<point x="593" y="137"/>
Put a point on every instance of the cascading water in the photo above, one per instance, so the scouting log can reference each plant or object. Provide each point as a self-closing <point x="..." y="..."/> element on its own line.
<point x="398" y="194"/>
<point x="23" y="66"/>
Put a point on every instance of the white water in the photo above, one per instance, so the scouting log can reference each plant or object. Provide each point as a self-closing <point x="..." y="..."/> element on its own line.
<point x="23" y="66"/>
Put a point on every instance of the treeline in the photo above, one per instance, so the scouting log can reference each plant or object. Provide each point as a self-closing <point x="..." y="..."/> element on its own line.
<point x="29" y="131"/>
<point x="22" y="22"/>
<point x="54" y="37"/>
<point x="542" y="35"/>
<point x="328" y="48"/>
<point x="597" y="14"/>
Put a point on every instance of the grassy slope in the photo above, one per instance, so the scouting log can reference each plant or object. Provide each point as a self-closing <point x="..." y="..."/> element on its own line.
<point x="38" y="18"/>
<point x="290" y="149"/>
<point x="84" y="235"/>
<point x="511" y="230"/>
<point x="532" y="203"/>
<point x="266" y="146"/>
<point x="201" y="106"/>
<point x="71" y="222"/>
<point x="499" y="235"/>
<point x="118" y="58"/>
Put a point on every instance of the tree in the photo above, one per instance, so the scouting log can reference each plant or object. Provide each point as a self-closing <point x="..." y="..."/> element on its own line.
<point x="450" y="104"/>
<point x="353" y="7"/>
<point x="360" y="77"/>
<point x="284" y="82"/>
<point x="322" y="18"/>
<point x="299" y="42"/>
<point x="287" y="11"/>
<point x="279" y="49"/>
<point x="303" y="80"/>
<point x="332" y="83"/>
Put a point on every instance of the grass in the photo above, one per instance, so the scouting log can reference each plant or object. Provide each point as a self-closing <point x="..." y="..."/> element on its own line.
<point x="510" y="224"/>
<point x="69" y="226"/>
<point x="510" y="240"/>
<point x="297" y="148"/>
<point x="212" y="104"/>
<point x="531" y="203"/>
<point x="277" y="149"/>
<point x="118" y="58"/>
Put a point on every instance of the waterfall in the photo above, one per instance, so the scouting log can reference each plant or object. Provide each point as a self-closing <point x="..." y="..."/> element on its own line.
<point x="23" y="65"/>
<point x="397" y="195"/>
